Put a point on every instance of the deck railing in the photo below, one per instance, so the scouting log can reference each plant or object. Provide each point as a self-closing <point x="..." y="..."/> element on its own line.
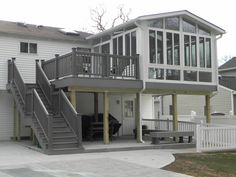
<point x="167" y="125"/>
<point x="87" y="64"/>
<point x="43" y="83"/>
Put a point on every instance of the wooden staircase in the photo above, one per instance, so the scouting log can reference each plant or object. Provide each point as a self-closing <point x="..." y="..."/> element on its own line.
<point x="53" y="129"/>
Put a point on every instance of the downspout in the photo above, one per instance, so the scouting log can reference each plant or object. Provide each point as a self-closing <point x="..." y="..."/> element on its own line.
<point x="142" y="90"/>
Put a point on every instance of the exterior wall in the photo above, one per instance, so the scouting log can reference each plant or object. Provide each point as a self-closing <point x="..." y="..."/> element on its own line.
<point x="222" y="102"/>
<point x="46" y="49"/>
<point x="228" y="73"/>
<point x="6" y="115"/>
<point x="147" y="107"/>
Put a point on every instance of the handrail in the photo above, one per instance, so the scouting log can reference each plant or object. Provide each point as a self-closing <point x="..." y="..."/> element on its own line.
<point x="16" y="78"/>
<point x="43" y="82"/>
<point x="42" y="116"/>
<point x="68" y="102"/>
<point x="41" y="102"/>
<point x="71" y="116"/>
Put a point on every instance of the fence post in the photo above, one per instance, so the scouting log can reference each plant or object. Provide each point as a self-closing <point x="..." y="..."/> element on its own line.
<point x="56" y="67"/>
<point x="198" y="138"/>
<point x="73" y="62"/>
<point x="108" y="65"/>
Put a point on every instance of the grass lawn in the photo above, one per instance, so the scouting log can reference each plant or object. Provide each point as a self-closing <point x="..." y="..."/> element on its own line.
<point x="218" y="164"/>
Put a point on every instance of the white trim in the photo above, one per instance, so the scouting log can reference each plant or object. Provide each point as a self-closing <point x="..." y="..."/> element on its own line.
<point x="194" y="17"/>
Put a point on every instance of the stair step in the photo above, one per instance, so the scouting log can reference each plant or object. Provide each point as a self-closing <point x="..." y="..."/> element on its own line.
<point x="61" y="129"/>
<point x="62" y="133"/>
<point x="59" y="145"/>
<point x="59" y="124"/>
<point x="63" y="139"/>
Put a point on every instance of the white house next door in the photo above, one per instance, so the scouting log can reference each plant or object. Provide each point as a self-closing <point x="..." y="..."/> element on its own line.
<point x="128" y="123"/>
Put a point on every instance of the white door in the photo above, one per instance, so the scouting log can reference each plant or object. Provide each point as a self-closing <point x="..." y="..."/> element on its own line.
<point x="128" y="124"/>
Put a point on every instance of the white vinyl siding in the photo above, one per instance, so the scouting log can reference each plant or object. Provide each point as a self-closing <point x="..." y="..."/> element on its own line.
<point x="221" y="102"/>
<point x="6" y="116"/>
<point x="46" y="49"/>
<point x="228" y="73"/>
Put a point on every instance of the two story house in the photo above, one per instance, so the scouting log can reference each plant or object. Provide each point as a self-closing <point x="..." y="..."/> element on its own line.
<point x="117" y="72"/>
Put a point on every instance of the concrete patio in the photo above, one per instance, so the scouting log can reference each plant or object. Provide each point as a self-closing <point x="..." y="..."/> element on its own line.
<point x="19" y="161"/>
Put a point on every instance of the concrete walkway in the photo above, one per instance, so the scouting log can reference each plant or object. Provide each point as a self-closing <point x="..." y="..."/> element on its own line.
<point x="18" y="161"/>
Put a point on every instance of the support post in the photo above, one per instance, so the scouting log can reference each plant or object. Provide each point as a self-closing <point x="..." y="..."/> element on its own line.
<point x="15" y="118"/>
<point x="105" y="118"/>
<point x="208" y="109"/>
<point x="73" y="98"/>
<point x="138" y="119"/>
<point x="96" y="106"/>
<point x="17" y="125"/>
<point x="174" y="112"/>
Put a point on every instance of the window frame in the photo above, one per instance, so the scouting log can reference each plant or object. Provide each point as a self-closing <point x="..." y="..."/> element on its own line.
<point x="29" y="45"/>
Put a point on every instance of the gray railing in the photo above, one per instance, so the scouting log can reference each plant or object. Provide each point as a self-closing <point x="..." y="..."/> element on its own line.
<point x="71" y="116"/>
<point x="81" y="64"/>
<point x="41" y="115"/>
<point x="167" y="125"/>
<point x="15" y="77"/>
<point x="43" y="83"/>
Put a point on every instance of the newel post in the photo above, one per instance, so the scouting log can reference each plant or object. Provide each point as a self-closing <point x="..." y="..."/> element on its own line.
<point x="13" y="69"/>
<point x="36" y="69"/>
<point x="73" y="62"/>
<point x="56" y="67"/>
<point x="49" y="132"/>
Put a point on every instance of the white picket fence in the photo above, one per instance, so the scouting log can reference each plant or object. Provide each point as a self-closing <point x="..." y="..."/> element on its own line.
<point x="212" y="137"/>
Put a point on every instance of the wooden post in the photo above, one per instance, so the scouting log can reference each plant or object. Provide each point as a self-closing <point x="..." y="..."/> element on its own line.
<point x="73" y="62"/>
<point x="174" y="111"/>
<point x="96" y="106"/>
<point x="105" y="118"/>
<point x="138" y="119"/>
<point x="73" y="98"/>
<point x="18" y="126"/>
<point x="208" y="109"/>
<point x="56" y="66"/>
<point x="15" y="118"/>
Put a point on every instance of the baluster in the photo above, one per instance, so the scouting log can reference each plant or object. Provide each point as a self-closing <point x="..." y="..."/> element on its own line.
<point x="56" y="66"/>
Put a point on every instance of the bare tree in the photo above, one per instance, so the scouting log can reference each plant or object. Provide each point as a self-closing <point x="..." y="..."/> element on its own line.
<point x="98" y="17"/>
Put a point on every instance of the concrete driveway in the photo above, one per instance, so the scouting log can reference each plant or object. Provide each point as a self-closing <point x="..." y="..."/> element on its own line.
<point x="19" y="161"/>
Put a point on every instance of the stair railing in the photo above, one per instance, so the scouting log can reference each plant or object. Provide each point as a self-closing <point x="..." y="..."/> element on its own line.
<point x="44" y="84"/>
<point x="44" y="119"/>
<point x="71" y="116"/>
<point x="15" y="77"/>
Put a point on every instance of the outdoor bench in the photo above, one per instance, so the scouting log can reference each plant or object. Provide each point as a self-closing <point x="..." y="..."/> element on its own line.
<point x="156" y="136"/>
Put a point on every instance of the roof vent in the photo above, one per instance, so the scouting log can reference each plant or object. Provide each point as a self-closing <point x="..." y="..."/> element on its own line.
<point x="22" y="24"/>
<point x="68" y="31"/>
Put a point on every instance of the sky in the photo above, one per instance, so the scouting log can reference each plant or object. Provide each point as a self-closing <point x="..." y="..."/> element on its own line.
<point x="75" y="14"/>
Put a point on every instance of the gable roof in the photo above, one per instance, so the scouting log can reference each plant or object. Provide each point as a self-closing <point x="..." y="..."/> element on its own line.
<point x="217" y="30"/>
<point x="231" y="64"/>
<point x="228" y="81"/>
<point x="42" y="32"/>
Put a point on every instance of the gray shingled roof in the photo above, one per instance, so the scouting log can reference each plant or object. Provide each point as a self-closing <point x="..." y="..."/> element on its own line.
<point x="43" y="32"/>
<point x="229" y="64"/>
<point x="228" y="81"/>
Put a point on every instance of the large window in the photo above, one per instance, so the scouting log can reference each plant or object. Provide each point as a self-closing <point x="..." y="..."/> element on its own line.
<point x="172" y="48"/>
<point x="188" y="26"/>
<point x="190" y="50"/>
<point x="205" y="52"/>
<point x="156" y="47"/>
<point x="156" y="73"/>
<point x="152" y="46"/>
<point x="169" y="48"/>
<point x="129" y="44"/>
<point x="202" y="52"/>
<point x="172" y="23"/>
